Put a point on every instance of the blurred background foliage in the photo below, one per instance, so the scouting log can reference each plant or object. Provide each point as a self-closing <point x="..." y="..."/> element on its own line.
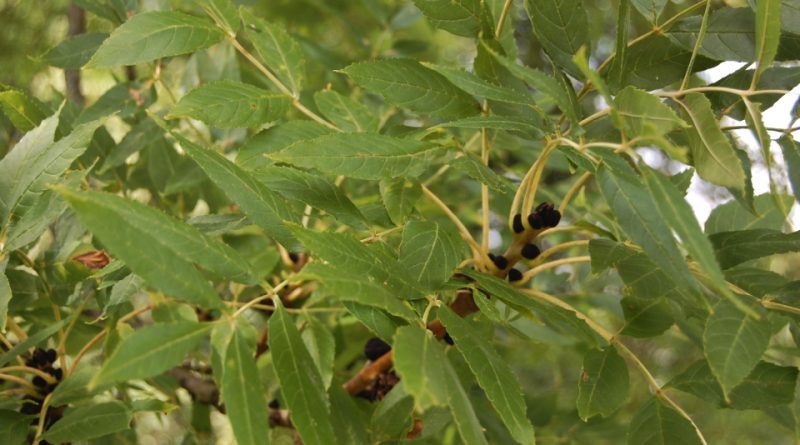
<point x="334" y="33"/>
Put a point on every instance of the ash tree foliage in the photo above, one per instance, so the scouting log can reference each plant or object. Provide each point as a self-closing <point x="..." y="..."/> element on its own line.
<point x="386" y="221"/>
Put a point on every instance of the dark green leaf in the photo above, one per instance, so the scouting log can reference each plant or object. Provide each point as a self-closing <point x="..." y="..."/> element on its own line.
<point x="313" y="190"/>
<point x="89" y="422"/>
<point x="738" y="247"/>
<point x="561" y="27"/>
<point x="733" y="215"/>
<point x="603" y="386"/>
<point x="345" y="112"/>
<point x="460" y="17"/>
<point x="406" y="83"/>
<point x="242" y="392"/>
<point x="300" y="382"/>
<point x="126" y="228"/>
<point x="430" y="252"/>
<point x="360" y="155"/>
<point x="264" y="207"/>
<point x="154" y="35"/>
<point x="636" y="212"/>
<point x="399" y="198"/>
<point x="74" y="52"/>
<point x="278" y="50"/>
<point x="712" y="155"/>
<point x="150" y="351"/>
<point x="658" y="424"/>
<point x="493" y="375"/>
<point x="419" y="359"/>
<point x="733" y="343"/>
<point x="483" y="174"/>
<point x="23" y="111"/>
<point x="229" y="104"/>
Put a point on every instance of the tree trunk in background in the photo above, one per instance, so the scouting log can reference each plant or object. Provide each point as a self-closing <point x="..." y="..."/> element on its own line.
<point x="77" y="25"/>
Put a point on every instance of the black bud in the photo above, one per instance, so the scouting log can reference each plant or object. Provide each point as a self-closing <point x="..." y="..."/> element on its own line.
<point x="500" y="261"/>
<point x="274" y="404"/>
<point x="517" y="224"/>
<point x="57" y="373"/>
<point x="51" y="355"/>
<point x="448" y="339"/>
<point x="514" y="275"/>
<point x="39" y="382"/>
<point x="535" y="220"/>
<point x="29" y="408"/>
<point x="552" y="218"/>
<point x="491" y="256"/>
<point x="544" y="206"/>
<point x="294" y="257"/>
<point x="530" y="251"/>
<point x="375" y="348"/>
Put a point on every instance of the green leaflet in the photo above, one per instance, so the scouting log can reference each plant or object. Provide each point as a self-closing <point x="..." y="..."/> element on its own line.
<point x="475" y="169"/>
<point x="495" y="122"/>
<point x="224" y="14"/>
<point x="658" y="424"/>
<point x="321" y="346"/>
<point x="561" y="320"/>
<point x="399" y="197"/>
<point x="430" y="252"/>
<point x="603" y="385"/>
<point x="74" y="52"/>
<point x="117" y="223"/>
<point x="37" y="162"/>
<point x="643" y="277"/>
<point x="153" y="35"/>
<point x="242" y="390"/>
<point x="644" y="114"/>
<point x="469" y="428"/>
<point x="650" y="9"/>
<point x="300" y="382"/>
<point x="635" y="211"/>
<point x="791" y="154"/>
<point x="460" y="17"/>
<point x="360" y="155"/>
<point x="734" y="248"/>
<point x="540" y="81"/>
<point x="13" y="427"/>
<point x="89" y="422"/>
<point x="150" y="351"/>
<point x="349" y="254"/>
<point x="561" y="27"/>
<point x="713" y="156"/>
<point x="314" y="190"/>
<point x="349" y="285"/>
<point x="264" y="207"/>
<point x="732" y="216"/>
<point x="408" y="84"/>
<point x="419" y="360"/>
<point x="279" y="51"/>
<point x="493" y="375"/>
<point x="733" y="343"/>
<point x="229" y="104"/>
<point x="345" y="112"/>
<point x="32" y="340"/>
<point x="767" y="385"/>
<point x="23" y="111"/>
<point x="680" y="217"/>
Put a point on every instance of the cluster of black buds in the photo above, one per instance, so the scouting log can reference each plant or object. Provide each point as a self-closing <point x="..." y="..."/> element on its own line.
<point x="43" y="360"/>
<point x="545" y="216"/>
<point x="374" y="349"/>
